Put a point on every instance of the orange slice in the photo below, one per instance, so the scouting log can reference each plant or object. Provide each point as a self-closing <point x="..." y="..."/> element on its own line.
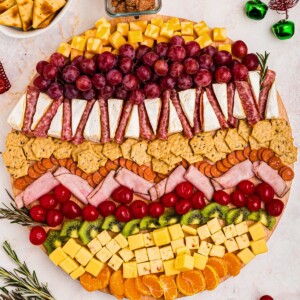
<point x="169" y="286"/>
<point x="211" y="278"/>
<point x="233" y="262"/>
<point x="91" y="283"/>
<point x="219" y="265"/>
<point x="130" y="290"/>
<point x="184" y="286"/>
<point x="116" y="284"/>
<point x="104" y="277"/>
<point x="196" y="280"/>
<point x="141" y="287"/>
<point x="154" y="285"/>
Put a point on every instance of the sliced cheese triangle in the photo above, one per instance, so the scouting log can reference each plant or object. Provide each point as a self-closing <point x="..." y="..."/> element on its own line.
<point x="133" y="126"/>
<point x="254" y="77"/>
<point x="25" y="10"/>
<point x="55" y="129"/>
<point x="174" y="121"/>
<point x="78" y="107"/>
<point x="188" y="101"/>
<point x="43" y="104"/>
<point x="220" y="90"/>
<point x="16" y="117"/>
<point x="92" y="130"/>
<point x="210" y="120"/>
<point x="11" y="17"/>
<point x="153" y="107"/>
<point x="238" y="110"/>
<point x="272" y="108"/>
<point x="114" y="114"/>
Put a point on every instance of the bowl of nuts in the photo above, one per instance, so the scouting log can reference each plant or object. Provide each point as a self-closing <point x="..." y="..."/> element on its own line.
<point x="123" y="8"/>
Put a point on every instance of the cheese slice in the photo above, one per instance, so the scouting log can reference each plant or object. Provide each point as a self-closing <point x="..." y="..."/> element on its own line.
<point x="43" y="104"/>
<point x="153" y="107"/>
<point x="210" y="120"/>
<point x="114" y="114"/>
<point x="92" y="129"/>
<point x="220" y="90"/>
<point x="16" y="117"/>
<point x="238" y="110"/>
<point x="188" y="101"/>
<point x="55" y="129"/>
<point x="174" y="121"/>
<point x="133" y="126"/>
<point x="254" y="77"/>
<point x="78" y="107"/>
<point x="272" y="108"/>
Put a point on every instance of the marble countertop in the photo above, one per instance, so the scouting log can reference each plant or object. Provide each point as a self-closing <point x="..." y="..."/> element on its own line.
<point x="276" y="273"/>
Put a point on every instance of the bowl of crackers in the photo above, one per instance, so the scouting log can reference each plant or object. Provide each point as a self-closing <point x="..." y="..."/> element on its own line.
<point x="28" y="18"/>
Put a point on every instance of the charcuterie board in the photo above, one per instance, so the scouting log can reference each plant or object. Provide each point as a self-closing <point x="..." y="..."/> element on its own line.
<point x="203" y="201"/>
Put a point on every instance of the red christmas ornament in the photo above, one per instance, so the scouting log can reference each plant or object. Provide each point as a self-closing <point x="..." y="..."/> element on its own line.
<point x="4" y="82"/>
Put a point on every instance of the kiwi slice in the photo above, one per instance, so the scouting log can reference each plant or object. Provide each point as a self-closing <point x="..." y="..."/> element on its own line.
<point x="54" y="240"/>
<point x="149" y="223"/>
<point x="193" y="217"/>
<point x="112" y="224"/>
<point x="266" y="219"/>
<point x="215" y="210"/>
<point x="254" y="216"/>
<point x="89" y="230"/>
<point x="170" y="217"/>
<point x="70" y="228"/>
<point x="132" y="227"/>
<point x="237" y="215"/>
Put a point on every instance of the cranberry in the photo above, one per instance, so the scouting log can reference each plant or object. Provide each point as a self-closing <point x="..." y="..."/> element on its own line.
<point x="183" y="206"/>
<point x="198" y="201"/>
<point x="37" y="235"/>
<point x="122" y="194"/>
<point x="221" y="197"/>
<point x="107" y="208"/>
<point x="169" y="200"/>
<point x="71" y="210"/>
<point x="184" y="190"/>
<point x="238" y="198"/>
<point x="123" y="213"/>
<point x="265" y="192"/>
<point x="139" y="209"/>
<point x="266" y="297"/>
<point x="247" y="187"/>
<point x="62" y="194"/>
<point x="48" y="201"/>
<point x="90" y="213"/>
<point x="156" y="209"/>
<point x="275" y="207"/>
<point x="54" y="217"/>
<point x="38" y="213"/>
<point x="253" y="203"/>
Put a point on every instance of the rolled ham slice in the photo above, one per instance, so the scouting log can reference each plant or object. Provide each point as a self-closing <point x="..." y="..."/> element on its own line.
<point x="200" y="181"/>
<point x="231" y="178"/>
<point x="270" y="176"/>
<point x="104" y="189"/>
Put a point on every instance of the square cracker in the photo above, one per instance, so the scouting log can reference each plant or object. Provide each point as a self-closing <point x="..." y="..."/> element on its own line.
<point x="16" y="138"/>
<point x="234" y="140"/>
<point x="262" y="131"/>
<point x="281" y="144"/>
<point x="244" y="129"/>
<point x="79" y="148"/>
<point x="158" y="148"/>
<point x="88" y="161"/>
<point x="190" y="156"/>
<point x="25" y="10"/>
<point x="126" y="147"/>
<point x="139" y="153"/>
<point x="202" y="143"/>
<point x="281" y="126"/>
<point x="112" y="151"/>
<point x="214" y="155"/>
<point x="161" y="167"/>
<point x="290" y="157"/>
<point x="43" y="147"/>
<point x="219" y="140"/>
<point x="98" y="149"/>
<point x="27" y="148"/>
<point x="19" y="172"/>
<point x="255" y="145"/>
<point x="14" y="157"/>
<point x="171" y="159"/>
<point x="63" y="150"/>
<point x="178" y="144"/>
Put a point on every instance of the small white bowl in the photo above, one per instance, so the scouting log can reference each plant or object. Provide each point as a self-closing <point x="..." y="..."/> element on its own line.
<point x="20" y="34"/>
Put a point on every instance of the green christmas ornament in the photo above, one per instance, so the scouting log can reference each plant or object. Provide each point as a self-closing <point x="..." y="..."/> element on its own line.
<point x="283" y="29"/>
<point x="256" y="9"/>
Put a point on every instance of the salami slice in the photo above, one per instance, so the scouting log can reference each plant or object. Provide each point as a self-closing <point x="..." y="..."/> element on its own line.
<point x="248" y="102"/>
<point x="216" y="107"/>
<point x="44" y="124"/>
<point x="184" y="122"/>
<point x="78" y="137"/>
<point x="67" y="121"/>
<point x="263" y="95"/>
<point x="162" y="131"/>
<point x="105" y="136"/>
<point x="31" y="101"/>
<point x="126" y="112"/>
<point x="145" y="126"/>
<point x="232" y="121"/>
<point x="198" y="111"/>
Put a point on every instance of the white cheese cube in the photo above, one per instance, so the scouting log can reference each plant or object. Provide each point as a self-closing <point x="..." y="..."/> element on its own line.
<point x="254" y="78"/>
<point x="104" y="237"/>
<point x="94" y="246"/>
<point x="241" y="228"/>
<point x="133" y="128"/>
<point x="121" y="240"/>
<point x="203" y="232"/>
<point x="56" y="126"/>
<point x="238" y="110"/>
<point x="78" y="108"/>
<point x="144" y="268"/>
<point x="153" y="253"/>
<point x="141" y="255"/>
<point x="210" y="120"/>
<point x="104" y="255"/>
<point x="272" y="108"/>
<point x="126" y="254"/>
<point x="153" y="107"/>
<point x="177" y="244"/>
<point x="16" y="117"/>
<point x="115" y="262"/>
<point x="92" y="129"/>
<point x="192" y="242"/>
<point x="218" y="237"/>
<point x="230" y="231"/>
<point x="188" y="100"/>
<point x="113" y="246"/>
<point x="217" y="251"/>
<point x="213" y="225"/>
<point x="114" y="114"/>
<point x="156" y="266"/>
<point x="243" y="241"/>
<point x="231" y="245"/>
<point x="148" y="239"/>
<point x="166" y="253"/>
<point x="205" y="248"/>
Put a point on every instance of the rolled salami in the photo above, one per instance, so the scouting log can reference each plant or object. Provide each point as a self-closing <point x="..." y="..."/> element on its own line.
<point x="198" y="111"/>
<point x="162" y="131"/>
<point x="232" y="121"/>
<point x="105" y="136"/>
<point x="145" y="126"/>
<point x="67" y="121"/>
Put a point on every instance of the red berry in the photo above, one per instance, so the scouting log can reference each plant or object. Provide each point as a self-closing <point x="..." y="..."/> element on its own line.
<point x="221" y="198"/>
<point x="184" y="190"/>
<point x="198" y="201"/>
<point x="37" y="235"/>
<point x="139" y="209"/>
<point x="156" y="209"/>
<point x="48" y="201"/>
<point x="38" y="213"/>
<point x="275" y="207"/>
<point x="71" y="210"/>
<point x="123" y="213"/>
<point x="62" y="194"/>
<point x="253" y="203"/>
<point x="169" y="200"/>
<point x="247" y="187"/>
<point x="183" y="206"/>
<point x="265" y="192"/>
<point x="90" y="213"/>
<point x="122" y="194"/>
<point x="238" y="198"/>
<point x="107" y="208"/>
<point x="54" y="217"/>
<point x="266" y="297"/>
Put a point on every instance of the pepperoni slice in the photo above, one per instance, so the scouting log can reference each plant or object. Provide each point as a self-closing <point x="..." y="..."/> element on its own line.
<point x="28" y="179"/>
<point x="78" y="172"/>
<point x="116" y="162"/>
<point x="37" y="169"/>
<point x="149" y="174"/>
<point x="260" y="151"/>
<point x="247" y="152"/>
<point x="157" y="179"/>
<point x="232" y="159"/>
<point x="135" y="168"/>
<point x="129" y="164"/>
<point x="202" y="167"/>
<point x="226" y="163"/>
<point x="122" y="162"/>
<point x="240" y="155"/>
<point x="97" y="177"/>
<point x="185" y="164"/>
<point x="267" y="154"/>
<point x="161" y="176"/>
<point x="62" y="162"/>
<point x="110" y="166"/>
<point x="215" y="172"/>
<point x="281" y="170"/>
<point x="20" y="184"/>
<point x="275" y="162"/>
<point x="221" y="167"/>
<point x="103" y="171"/>
<point x="54" y="160"/>
<point x="142" y="170"/>
<point x="287" y="174"/>
<point x="33" y="174"/>
<point x="197" y="164"/>
<point x="69" y="163"/>
<point x="73" y="168"/>
<point x="84" y="175"/>
<point x="47" y="163"/>
<point x="254" y="155"/>
<point x="207" y="171"/>
<point x="90" y="181"/>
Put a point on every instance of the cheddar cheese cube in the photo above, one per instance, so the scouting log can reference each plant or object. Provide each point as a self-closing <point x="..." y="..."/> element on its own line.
<point x="184" y="263"/>
<point x="201" y="28"/>
<point x="175" y="22"/>
<point x="69" y="265"/>
<point x="138" y="26"/>
<point x="187" y="28"/>
<point x="176" y="232"/>
<point x="126" y="254"/>
<point x="183" y="250"/>
<point x="144" y="268"/>
<point x="257" y="231"/>
<point x="177" y="244"/>
<point x="94" y="45"/>
<point x="148" y="239"/>
<point x="166" y="253"/>
<point x="230" y="231"/>
<point x="217" y="251"/>
<point x="157" y="21"/>
<point x="79" y="43"/>
<point x="189" y="230"/>
<point x="156" y="266"/>
<point x="162" y="39"/>
<point x="147" y="42"/>
<point x="205" y="248"/>
<point x="166" y="30"/>
<point x="105" y="49"/>
<point x="77" y="273"/>
<point x="134" y="45"/>
<point x="259" y="246"/>
<point x="136" y="241"/>
<point x="94" y="267"/>
<point x="177" y="33"/>
<point x="204" y="40"/>
<point x="104" y="255"/>
<point x="121" y="240"/>
<point x="203" y="232"/>
<point x="213" y="225"/>
<point x="117" y="40"/>
<point x="200" y="261"/>
<point x="218" y="237"/>
<point x="75" y="53"/>
<point x="113" y="247"/>
<point x="94" y="246"/>
<point x="153" y="253"/>
<point x="88" y="54"/>
<point x="242" y="241"/>
<point x="188" y="38"/>
<point x="135" y="36"/>
<point x="141" y="255"/>
<point x="241" y="228"/>
<point x="90" y="33"/>
<point x="115" y="262"/>
<point x="225" y="47"/>
<point x="219" y="34"/>
<point x="83" y="256"/>
<point x="231" y="245"/>
<point x="246" y="255"/>
<point x="71" y="247"/>
<point x="192" y="242"/>
<point x="103" y="33"/>
<point x="123" y="28"/>
<point x="161" y="237"/>
<point x="104" y="237"/>
<point x="64" y="49"/>
<point x="152" y="31"/>
<point x="130" y="269"/>
<point x="57" y="256"/>
<point x="169" y="267"/>
<point x="102" y="22"/>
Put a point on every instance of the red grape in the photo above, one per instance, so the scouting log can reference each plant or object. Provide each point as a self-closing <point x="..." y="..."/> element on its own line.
<point x="107" y="208"/>
<point x="70" y="74"/>
<point x="192" y="49"/>
<point x="152" y="90"/>
<point x="275" y="207"/>
<point x="167" y="83"/>
<point x="150" y="58"/>
<point x="266" y="297"/>
<point x="169" y="200"/>
<point x="223" y="58"/>
<point x="156" y="209"/>
<point x="176" y="69"/>
<point x="106" y="61"/>
<point x="251" y="61"/>
<point x="41" y="83"/>
<point x="210" y="50"/>
<point x="184" y="190"/>
<point x="191" y="66"/>
<point x="48" y="201"/>
<point x="238" y="198"/>
<point x="240" y="72"/>
<point x="90" y="213"/>
<point x="121" y="93"/>
<point x="54" y="217"/>
<point x="76" y="61"/>
<point x="71" y="210"/>
<point x="247" y="187"/>
<point x="198" y="201"/>
<point x="106" y="92"/>
<point x="183" y="206"/>
<point x="123" y="213"/>
<point x="141" y="51"/>
<point x="161" y="67"/>
<point x="177" y="40"/>
<point x="126" y="65"/>
<point x="40" y="66"/>
<point x="137" y="96"/>
<point x="253" y="203"/>
<point x="58" y="60"/>
<point x="222" y="74"/>
<point x="233" y="63"/>
<point x="130" y="82"/>
<point x="114" y="77"/>
<point x="202" y="78"/>
<point x="143" y="73"/>
<point x="127" y="51"/>
<point x="89" y="95"/>
<point x="38" y="213"/>
<point x="162" y="49"/>
<point x="139" y="209"/>
<point x="122" y="194"/>
<point x="205" y="61"/>
<point x="176" y="53"/>
<point x="37" y="235"/>
<point x="88" y="66"/>
<point x="98" y="81"/>
<point x="83" y="83"/>
<point x="239" y="49"/>
<point x="70" y="91"/>
<point x="265" y="192"/>
<point x="221" y="197"/>
<point x="62" y="194"/>
<point x="184" y="81"/>
<point x="50" y="72"/>
<point x="55" y="90"/>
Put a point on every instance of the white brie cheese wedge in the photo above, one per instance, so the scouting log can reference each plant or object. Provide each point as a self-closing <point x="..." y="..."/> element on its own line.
<point x="238" y="110"/>
<point x="188" y="101"/>
<point x="153" y="107"/>
<point x="210" y="120"/>
<point x="174" y="121"/>
<point x="272" y="109"/>
<point x="254" y="77"/>
<point x="55" y="129"/>
<point x="43" y="104"/>
<point x="92" y="129"/>
<point x="78" y="107"/>
<point x="114" y="114"/>
<point x="220" y="90"/>
<point x="16" y="117"/>
<point x="133" y="126"/>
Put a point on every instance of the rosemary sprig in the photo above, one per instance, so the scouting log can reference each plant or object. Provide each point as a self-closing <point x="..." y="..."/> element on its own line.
<point x="16" y="215"/>
<point x="263" y="59"/>
<point x="24" y="284"/>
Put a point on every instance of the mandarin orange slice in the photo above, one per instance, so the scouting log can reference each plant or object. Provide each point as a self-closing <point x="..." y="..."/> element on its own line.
<point x="154" y="285"/>
<point x="104" y="277"/>
<point x="130" y="290"/>
<point x="184" y="286"/>
<point x="233" y="262"/>
<point x="169" y="287"/>
<point x="196" y="280"/>
<point x="219" y="265"/>
<point x="91" y="283"/>
<point x="116" y="284"/>
<point x="211" y="277"/>
<point x="141" y="287"/>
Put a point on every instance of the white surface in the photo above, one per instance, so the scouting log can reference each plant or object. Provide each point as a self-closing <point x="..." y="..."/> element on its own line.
<point x="277" y="272"/>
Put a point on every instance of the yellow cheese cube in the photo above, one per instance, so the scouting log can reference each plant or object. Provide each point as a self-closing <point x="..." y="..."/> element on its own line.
<point x="189" y="230"/>
<point x="246" y="255"/>
<point x="203" y="232"/>
<point x="176" y="232"/>
<point x="104" y="255"/>
<point x="134" y="45"/>
<point x="218" y="237"/>
<point x="117" y="40"/>
<point x="201" y="28"/>
<point x="138" y="25"/>
<point x="187" y="28"/>
<point x="90" y="33"/>
<point x="166" y="253"/>
<point x="153" y="253"/>
<point x="123" y="28"/>
<point x="148" y="239"/>
<point x="121" y="240"/>
<point x="115" y="262"/>
<point x="177" y="244"/>
<point x="169" y="266"/>
<point x="231" y="245"/>
<point x="205" y="248"/>
<point x="175" y="22"/>
<point x="166" y="30"/>
<point x="136" y="241"/>
<point x="94" y="267"/>
<point x="130" y="270"/>
<point x="219" y="34"/>
<point x="144" y="268"/>
<point x="113" y="247"/>
<point x="241" y="228"/>
<point x="161" y="237"/>
<point x="94" y="246"/>
<point x="157" y="21"/>
<point x="183" y="250"/>
<point x="64" y="49"/>
<point x="184" y="263"/>
<point x="156" y="266"/>
<point x="102" y="22"/>
<point x="259" y="246"/>
<point x="75" y="53"/>
<point x="152" y="31"/>
<point x="77" y="273"/>
<point x="147" y="42"/>
<point x="213" y="225"/>
<point x="104" y="237"/>
<point x="230" y="231"/>
<point x="257" y="231"/>
<point x="204" y="40"/>
<point x="88" y="54"/>
<point x="126" y="254"/>
<point x="94" y="45"/>
<point x="141" y="255"/>
<point x="79" y="43"/>
<point x="135" y="36"/>
<point x="192" y="242"/>
<point x="105" y="49"/>
<point x="71" y="247"/>
<point x="69" y="265"/>
<point x="177" y="33"/>
<point x="200" y="261"/>
<point x="225" y="47"/>
<point x="242" y="241"/>
<point x="188" y="38"/>
<point x="83" y="256"/>
<point x="57" y="256"/>
<point x="218" y="251"/>
<point x="103" y="33"/>
<point x="162" y="39"/>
